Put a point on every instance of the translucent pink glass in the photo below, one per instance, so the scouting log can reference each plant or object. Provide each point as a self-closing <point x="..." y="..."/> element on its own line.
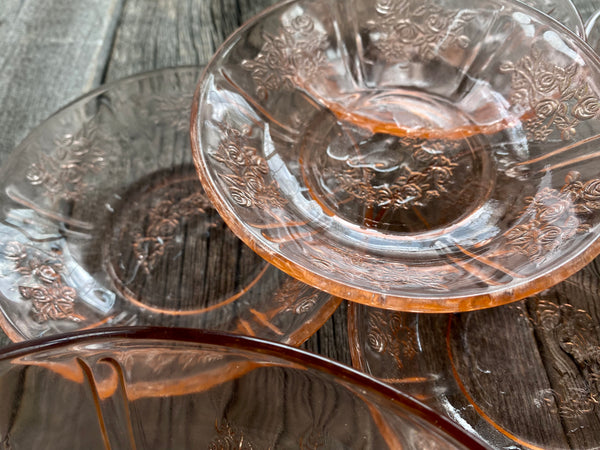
<point x="523" y="375"/>
<point x="437" y="156"/>
<point x="564" y="11"/>
<point x="186" y="389"/>
<point x="103" y="222"/>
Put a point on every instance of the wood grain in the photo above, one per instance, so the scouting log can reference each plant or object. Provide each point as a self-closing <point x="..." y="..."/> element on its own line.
<point x="50" y="53"/>
<point x="184" y="32"/>
<point x="55" y="50"/>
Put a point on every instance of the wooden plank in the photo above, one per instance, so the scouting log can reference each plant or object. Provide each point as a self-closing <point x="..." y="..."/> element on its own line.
<point x="169" y="33"/>
<point x="55" y="50"/>
<point x="52" y="52"/>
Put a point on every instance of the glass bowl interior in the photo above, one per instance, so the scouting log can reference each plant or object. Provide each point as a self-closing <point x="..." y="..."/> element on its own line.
<point x="424" y="157"/>
<point x="178" y="388"/>
<point x="103" y="222"/>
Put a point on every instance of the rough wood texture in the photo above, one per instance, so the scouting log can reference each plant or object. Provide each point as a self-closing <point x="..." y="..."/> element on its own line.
<point x="50" y="53"/>
<point x="139" y="35"/>
<point x="53" y="51"/>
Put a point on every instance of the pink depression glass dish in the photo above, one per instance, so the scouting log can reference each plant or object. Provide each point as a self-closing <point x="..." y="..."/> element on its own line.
<point x="524" y="375"/>
<point x="190" y="389"/>
<point x="427" y="157"/>
<point x="103" y="222"/>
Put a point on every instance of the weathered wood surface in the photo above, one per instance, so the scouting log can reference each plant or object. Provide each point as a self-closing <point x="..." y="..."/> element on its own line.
<point x="50" y="53"/>
<point x="55" y="50"/>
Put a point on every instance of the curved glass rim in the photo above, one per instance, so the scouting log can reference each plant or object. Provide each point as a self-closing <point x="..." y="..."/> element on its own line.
<point x="256" y="346"/>
<point x="308" y="328"/>
<point x="424" y="304"/>
<point x="86" y="96"/>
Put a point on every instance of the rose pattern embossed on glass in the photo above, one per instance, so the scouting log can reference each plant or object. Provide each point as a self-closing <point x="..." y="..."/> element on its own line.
<point x="62" y="171"/>
<point x="247" y="180"/>
<point x="553" y="216"/>
<point x="404" y="27"/>
<point x="414" y="149"/>
<point x="160" y="227"/>
<point x="171" y="111"/>
<point x="297" y="51"/>
<point x="573" y="332"/>
<point x="390" y="334"/>
<point x="42" y="283"/>
<point x="413" y="186"/>
<point x="551" y="98"/>
<point x="575" y="403"/>
<point x="393" y="274"/>
<point x="296" y="296"/>
<point x="387" y="274"/>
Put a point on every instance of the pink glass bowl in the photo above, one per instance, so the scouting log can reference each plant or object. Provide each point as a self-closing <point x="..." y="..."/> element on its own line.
<point x="427" y="157"/>
<point x="524" y="375"/>
<point x="184" y="389"/>
<point x="103" y="222"/>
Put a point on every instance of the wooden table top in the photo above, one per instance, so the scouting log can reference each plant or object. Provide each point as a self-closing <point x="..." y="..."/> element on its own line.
<point x="53" y="51"/>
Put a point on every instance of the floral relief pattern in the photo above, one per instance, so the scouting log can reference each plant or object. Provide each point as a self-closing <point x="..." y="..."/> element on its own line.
<point x="62" y="171"/>
<point x="298" y="297"/>
<point x="394" y="274"/>
<point x="554" y="98"/>
<point x="42" y="283"/>
<point x="247" y="183"/>
<point x="298" y="51"/>
<point x="388" y="333"/>
<point x="575" y="403"/>
<point x="573" y="332"/>
<point x="411" y="187"/>
<point x="404" y="27"/>
<point x="160" y="227"/>
<point x="172" y="110"/>
<point x="553" y="216"/>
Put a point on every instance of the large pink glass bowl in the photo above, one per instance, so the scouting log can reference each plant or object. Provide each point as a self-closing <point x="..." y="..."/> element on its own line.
<point x="190" y="389"/>
<point x="431" y="157"/>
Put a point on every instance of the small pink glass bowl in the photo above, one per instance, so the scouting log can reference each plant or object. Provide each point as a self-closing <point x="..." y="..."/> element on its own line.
<point x="104" y="223"/>
<point x="182" y="388"/>
<point x="429" y="157"/>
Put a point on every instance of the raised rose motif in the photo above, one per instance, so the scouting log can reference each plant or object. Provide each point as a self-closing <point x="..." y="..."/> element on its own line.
<point x="62" y="171"/>
<point x="558" y="96"/>
<point x="42" y="283"/>
<point x="553" y="216"/>
<point x="406" y="28"/>
<point x="297" y="50"/>
<point x="574" y="332"/>
<point x="390" y="333"/>
<point x="247" y="181"/>
<point x="413" y="186"/>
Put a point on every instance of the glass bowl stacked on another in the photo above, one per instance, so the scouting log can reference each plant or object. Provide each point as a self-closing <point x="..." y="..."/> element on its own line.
<point x="418" y="157"/>
<point x="103" y="222"/>
<point x="426" y="157"/>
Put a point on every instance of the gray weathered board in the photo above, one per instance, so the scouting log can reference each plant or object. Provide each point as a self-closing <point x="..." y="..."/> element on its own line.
<point x="52" y="51"/>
